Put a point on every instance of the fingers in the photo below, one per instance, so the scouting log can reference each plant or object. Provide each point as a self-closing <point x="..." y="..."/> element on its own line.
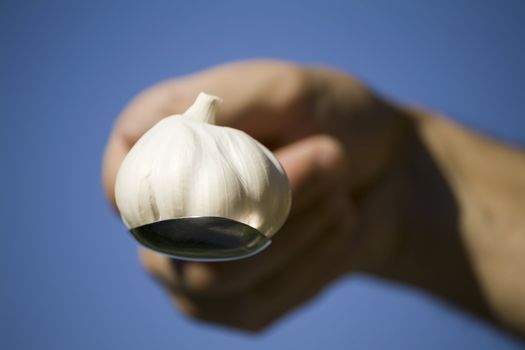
<point x="221" y="279"/>
<point x="232" y="277"/>
<point x="263" y="98"/>
<point x="284" y="290"/>
<point x="304" y="277"/>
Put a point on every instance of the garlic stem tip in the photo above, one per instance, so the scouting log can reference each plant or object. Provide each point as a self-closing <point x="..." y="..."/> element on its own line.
<point x="204" y="108"/>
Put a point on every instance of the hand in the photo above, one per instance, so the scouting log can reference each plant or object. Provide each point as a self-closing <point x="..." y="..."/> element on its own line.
<point x="336" y="141"/>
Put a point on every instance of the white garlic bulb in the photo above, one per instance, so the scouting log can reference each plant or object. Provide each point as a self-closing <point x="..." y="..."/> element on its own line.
<point x="186" y="166"/>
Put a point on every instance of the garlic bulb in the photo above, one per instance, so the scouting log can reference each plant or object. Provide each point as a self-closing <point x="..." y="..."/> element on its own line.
<point x="187" y="166"/>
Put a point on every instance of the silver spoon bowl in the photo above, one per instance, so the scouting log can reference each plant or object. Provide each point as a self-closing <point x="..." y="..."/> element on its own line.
<point x="202" y="238"/>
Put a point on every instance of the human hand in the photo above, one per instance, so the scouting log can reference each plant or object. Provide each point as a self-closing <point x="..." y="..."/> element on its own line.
<point x="334" y="139"/>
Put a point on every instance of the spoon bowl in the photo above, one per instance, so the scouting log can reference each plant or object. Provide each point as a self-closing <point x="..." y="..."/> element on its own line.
<point x="202" y="238"/>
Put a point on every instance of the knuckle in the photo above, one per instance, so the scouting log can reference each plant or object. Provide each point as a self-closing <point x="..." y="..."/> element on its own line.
<point x="284" y="81"/>
<point x="200" y="277"/>
<point x="215" y="279"/>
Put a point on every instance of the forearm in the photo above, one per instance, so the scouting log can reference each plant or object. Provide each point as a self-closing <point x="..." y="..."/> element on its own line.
<point x="458" y="230"/>
<point x="488" y="180"/>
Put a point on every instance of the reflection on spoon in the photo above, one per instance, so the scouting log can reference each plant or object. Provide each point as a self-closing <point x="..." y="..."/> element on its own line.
<point x="202" y="238"/>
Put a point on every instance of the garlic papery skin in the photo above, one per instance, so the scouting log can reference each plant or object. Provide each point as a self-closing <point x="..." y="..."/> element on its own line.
<point x="186" y="166"/>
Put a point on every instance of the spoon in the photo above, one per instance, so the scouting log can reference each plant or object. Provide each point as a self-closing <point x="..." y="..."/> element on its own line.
<point x="202" y="238"/>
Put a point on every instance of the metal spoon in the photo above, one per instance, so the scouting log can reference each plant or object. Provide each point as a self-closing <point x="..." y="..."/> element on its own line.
<point x="202" y="238"/>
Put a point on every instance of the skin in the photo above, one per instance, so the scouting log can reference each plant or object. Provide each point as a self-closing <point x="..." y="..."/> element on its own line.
<point x="387" y="190"/>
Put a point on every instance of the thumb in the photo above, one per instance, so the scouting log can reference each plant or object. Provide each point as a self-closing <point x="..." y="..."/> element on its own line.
<point x="314" y="165"/>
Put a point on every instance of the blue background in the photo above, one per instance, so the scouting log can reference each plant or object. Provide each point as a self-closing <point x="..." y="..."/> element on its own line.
<point x="69" y="274"/>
